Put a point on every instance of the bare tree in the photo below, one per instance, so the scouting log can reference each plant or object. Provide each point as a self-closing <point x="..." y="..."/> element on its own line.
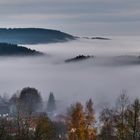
<point x="121" y="117"/>
<point x="30" y="100"/>
<point x="106" y="121"/>
<point x="133" y="119"/>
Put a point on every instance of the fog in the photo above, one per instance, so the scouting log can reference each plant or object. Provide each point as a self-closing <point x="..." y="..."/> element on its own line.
<point x="115" y="67"/>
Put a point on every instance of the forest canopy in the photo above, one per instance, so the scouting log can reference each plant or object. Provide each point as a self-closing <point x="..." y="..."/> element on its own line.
<point x="33" y="36"/>
<point x="12" y="49"/>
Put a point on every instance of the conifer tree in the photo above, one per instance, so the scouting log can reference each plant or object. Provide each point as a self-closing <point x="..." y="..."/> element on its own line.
<point x="51" y="105"/>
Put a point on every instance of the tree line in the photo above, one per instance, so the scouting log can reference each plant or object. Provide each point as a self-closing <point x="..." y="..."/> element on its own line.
<point x="119" y="122"/>
<point x="28" y="119"/>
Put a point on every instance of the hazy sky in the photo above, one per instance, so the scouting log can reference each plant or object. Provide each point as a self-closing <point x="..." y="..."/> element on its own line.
<point x="78" y="17"/>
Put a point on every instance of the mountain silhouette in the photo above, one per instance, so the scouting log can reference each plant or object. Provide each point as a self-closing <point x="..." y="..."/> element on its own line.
<point x="33" y="36"/>
<point x="11" y="49"/>
<point x="79" y="58"/>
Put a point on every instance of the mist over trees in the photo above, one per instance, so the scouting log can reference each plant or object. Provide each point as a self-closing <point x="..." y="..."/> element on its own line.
<point x="27" y="101"/>
<point x="29" y="118"/>
<point x="13" y="49"/>
<point x="30" y="100"/>
<point x="51" y="104"/>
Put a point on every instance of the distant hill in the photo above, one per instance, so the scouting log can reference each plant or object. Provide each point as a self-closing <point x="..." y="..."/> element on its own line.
<point x="100" y="38"/>
<point x="33" y="36"/>
<point x="10" y="49"/>
<point x="97" y="38"/>
<point x="79" y="58"/>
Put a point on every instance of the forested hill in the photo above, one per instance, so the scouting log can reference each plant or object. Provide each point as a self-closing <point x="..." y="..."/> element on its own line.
<point x="10" y="49"/>
<point x="33" y="36"/>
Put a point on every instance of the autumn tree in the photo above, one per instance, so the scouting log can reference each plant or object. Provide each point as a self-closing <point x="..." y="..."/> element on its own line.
<point x="76" y="122"/>
<point x="81" y="124"/>
<point x="90" y="120"/>
<point x="44" y="129"/>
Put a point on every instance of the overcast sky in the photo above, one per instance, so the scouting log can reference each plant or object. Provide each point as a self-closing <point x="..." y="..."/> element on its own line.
<point x="78" y="17"/>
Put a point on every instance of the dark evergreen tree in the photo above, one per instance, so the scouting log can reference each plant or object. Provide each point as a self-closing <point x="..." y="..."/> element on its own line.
<point x="51" y="105"/>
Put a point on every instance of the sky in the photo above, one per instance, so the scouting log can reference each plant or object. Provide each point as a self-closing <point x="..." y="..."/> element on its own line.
<point x="77" y="17"/>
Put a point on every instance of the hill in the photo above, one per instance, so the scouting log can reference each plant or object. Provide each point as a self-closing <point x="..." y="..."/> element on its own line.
<point x="78" y="58"/>
<point x="33" y="36"/>
<point x="97" y="38"/>
<point x="10" y="49"/>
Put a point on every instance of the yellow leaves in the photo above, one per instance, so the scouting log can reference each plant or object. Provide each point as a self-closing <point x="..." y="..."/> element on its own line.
<point x="81" y="122"/>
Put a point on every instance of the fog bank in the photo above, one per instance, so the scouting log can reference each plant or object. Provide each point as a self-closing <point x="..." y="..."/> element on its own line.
<point x="116" y="66"/>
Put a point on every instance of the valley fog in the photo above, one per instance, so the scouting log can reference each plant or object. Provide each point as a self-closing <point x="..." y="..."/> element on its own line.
<point x="115" y="67"/>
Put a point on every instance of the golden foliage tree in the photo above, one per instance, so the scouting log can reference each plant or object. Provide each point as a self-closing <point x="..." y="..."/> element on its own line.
<point x="90" y="121"/>
<point x="81" y="123"/>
